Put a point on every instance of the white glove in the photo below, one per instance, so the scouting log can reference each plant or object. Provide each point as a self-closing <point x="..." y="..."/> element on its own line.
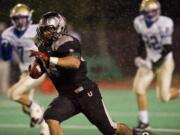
<point x="140" y="62"/>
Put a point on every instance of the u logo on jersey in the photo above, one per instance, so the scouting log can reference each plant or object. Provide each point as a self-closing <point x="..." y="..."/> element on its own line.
<point x="90" y="94"/>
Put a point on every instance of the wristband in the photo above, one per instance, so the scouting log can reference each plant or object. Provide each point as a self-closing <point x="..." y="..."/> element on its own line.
<point x="54" y="60"/>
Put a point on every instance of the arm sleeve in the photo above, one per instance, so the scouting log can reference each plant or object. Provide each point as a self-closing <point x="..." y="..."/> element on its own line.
<point x="166" y="49"/>
<point x="141" y="50"/>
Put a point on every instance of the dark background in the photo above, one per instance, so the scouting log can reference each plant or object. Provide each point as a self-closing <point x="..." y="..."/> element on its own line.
<point x="106" y="29"/>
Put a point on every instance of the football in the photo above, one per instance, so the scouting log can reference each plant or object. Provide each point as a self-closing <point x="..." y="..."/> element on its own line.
<point x="35" y="70"/>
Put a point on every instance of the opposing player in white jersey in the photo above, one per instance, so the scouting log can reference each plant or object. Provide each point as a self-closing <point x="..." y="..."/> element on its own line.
<point x="18" y="40"/>
<point x="155" y="57"/>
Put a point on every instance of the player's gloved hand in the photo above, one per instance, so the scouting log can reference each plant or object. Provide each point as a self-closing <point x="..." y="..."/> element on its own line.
<point x="140" y="62"/>
<point x="40" y="55"/>
<point x="6" y="50"/>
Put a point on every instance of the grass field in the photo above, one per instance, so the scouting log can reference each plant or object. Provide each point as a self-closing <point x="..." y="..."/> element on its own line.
<point x="164" y="117"/>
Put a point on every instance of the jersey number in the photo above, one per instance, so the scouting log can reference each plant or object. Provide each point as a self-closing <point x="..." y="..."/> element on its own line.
<point x="153" y="43"/>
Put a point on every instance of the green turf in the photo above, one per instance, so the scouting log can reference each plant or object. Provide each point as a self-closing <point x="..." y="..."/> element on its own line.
<point x="121" y="105"/>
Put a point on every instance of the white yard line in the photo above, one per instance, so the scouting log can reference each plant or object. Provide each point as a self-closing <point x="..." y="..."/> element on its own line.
<point x="154" y="114"/>
<point x="13" y="126"/>
<point x="165" y="130"/>
<point x="121" y="114"/>
<point x="82" y="127"/>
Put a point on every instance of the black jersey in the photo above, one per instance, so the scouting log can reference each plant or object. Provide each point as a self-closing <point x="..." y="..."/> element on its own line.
<point x="64" y="79"/>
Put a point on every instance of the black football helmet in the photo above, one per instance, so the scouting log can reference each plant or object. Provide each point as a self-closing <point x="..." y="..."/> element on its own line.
<point x="51" y="26"/>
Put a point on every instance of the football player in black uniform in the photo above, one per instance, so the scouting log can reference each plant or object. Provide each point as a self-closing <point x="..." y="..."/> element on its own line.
<point x="59" y="56"/>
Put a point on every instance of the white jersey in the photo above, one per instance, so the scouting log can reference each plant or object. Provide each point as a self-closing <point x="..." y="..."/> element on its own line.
<point x="155" y="36"/>
<point x="22" y="45"/>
